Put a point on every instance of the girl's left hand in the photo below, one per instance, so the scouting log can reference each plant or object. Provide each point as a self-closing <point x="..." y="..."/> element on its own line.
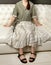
<point x="38" y="24"/>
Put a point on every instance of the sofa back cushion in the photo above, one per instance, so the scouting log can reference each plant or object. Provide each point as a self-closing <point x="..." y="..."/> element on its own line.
<point x="43" y="13"/>
<point x="5" y="12"/>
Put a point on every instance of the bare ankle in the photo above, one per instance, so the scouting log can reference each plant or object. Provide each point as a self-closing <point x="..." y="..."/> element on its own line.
<point x="20" y="50"/>
<point x="32" y="50"/>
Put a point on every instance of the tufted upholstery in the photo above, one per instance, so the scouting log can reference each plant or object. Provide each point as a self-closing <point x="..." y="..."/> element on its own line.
<point x="44" y="16"/>
<point x="5" y="12"/>
<point x="43" y="12"/>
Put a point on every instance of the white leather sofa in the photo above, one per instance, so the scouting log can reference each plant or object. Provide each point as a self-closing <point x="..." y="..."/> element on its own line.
<point x="44" y="16"/>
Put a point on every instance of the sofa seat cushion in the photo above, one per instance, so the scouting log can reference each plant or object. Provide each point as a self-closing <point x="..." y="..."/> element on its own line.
<point x="4" y="48"/>
<point x="42" y="35"/>
<point x="6" y="34"/>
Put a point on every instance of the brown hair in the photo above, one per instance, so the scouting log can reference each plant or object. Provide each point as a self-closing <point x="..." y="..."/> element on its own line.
<point x="28" y="5"/>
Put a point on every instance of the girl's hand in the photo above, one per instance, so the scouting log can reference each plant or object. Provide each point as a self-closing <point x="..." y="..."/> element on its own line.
<point x="6" y="25"/>
<point x="38" y="24"/>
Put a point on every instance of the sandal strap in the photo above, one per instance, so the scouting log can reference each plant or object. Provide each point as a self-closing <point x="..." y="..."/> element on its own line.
<point x="33" y="53"/>
<point x="20" y="55"/>
<point x="24" y="59"/>
<point x="32" y="58"/>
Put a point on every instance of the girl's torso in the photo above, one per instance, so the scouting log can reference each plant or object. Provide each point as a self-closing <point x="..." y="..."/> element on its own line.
<point x="23" y="13"/>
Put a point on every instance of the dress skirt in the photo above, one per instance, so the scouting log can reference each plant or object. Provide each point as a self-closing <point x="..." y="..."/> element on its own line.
<point x="24" y="34"/>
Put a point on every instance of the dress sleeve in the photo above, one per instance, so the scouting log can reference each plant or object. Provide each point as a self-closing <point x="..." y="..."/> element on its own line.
<point x="15" y="11"/>
<point x="34" y="14"/>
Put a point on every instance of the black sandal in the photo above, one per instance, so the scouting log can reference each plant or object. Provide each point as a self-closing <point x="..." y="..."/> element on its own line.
<point x="31" y="59"/>
<point x="22" y="60"/>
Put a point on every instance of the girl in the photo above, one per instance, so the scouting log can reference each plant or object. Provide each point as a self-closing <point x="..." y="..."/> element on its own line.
<point x="25" y="16"/>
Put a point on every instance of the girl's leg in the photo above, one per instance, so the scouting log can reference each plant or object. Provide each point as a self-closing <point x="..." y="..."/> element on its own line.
<point x="20" y="50"/>
<point x="32" y="55"/>
<point x="21" y="56"/>
<point x="21" y="42"/>
<point x="32" y="49"/>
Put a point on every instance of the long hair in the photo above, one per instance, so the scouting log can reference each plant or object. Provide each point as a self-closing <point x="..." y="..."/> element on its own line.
<point x="28" y="5"/>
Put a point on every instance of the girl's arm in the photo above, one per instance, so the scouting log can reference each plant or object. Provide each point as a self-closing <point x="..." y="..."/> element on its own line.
<point x="11" y="20"/>
<point x="36" y="22"/>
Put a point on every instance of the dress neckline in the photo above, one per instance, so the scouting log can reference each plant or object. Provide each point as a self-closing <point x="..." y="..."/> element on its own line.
<point x="23" y="6"/>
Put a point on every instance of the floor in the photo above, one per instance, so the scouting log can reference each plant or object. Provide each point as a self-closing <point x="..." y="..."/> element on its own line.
<point x="43" y="58"/>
